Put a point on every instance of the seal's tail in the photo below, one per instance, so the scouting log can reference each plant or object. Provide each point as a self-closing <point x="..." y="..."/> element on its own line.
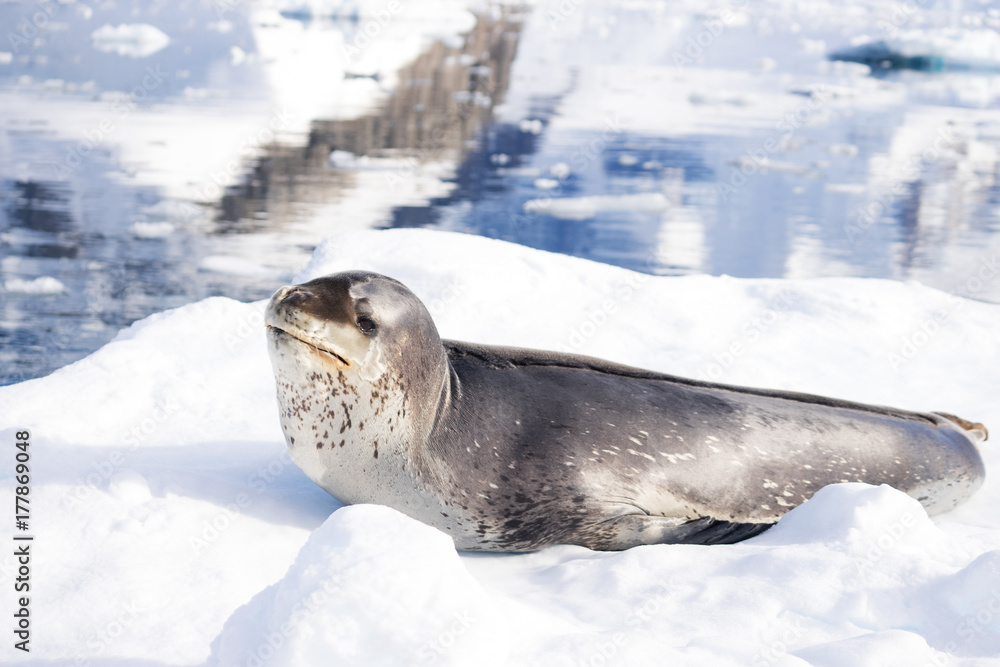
<point x="974" y="430"/>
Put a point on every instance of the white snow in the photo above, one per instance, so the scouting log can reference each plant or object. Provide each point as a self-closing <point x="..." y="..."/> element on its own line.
<point x="135" y="40"/>
<point x="167" y="515"/>
<point x="323" y="600"/>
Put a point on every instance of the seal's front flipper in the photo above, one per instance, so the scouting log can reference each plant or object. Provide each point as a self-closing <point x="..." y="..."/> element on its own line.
<point x="627" y="531"/>
<point x="707" y="530"/>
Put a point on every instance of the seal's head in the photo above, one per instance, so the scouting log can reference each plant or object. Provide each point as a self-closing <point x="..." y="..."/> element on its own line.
<point x="358" y="364"/>
<point x="350" y="319"/>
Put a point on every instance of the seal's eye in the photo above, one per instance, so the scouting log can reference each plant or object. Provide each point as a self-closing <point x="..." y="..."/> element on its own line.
<point x="367" y="325"/>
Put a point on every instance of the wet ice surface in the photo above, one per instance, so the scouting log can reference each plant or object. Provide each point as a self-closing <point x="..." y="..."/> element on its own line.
<point x="669" y="138"/>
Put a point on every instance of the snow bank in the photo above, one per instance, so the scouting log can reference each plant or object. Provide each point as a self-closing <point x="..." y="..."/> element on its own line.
<point x="169" y="521"/>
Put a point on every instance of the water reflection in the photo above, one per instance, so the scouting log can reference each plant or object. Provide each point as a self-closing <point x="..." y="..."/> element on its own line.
<point x="851" y="189"/>
<point x="119" y="249"/>
<point x="40" y="207"/>
<point x="442" y="102"/>
<point x="827" y="204"/>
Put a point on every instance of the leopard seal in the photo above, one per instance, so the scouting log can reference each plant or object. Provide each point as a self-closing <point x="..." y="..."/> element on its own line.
<point x="509" y="449"/>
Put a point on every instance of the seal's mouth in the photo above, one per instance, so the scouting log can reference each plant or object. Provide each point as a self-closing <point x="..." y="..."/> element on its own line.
<point x="310" y="342"/>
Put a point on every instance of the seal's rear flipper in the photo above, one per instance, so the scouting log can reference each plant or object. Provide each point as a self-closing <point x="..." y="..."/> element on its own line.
<point x="975" y="430"/>
<point x="627" y="531"/>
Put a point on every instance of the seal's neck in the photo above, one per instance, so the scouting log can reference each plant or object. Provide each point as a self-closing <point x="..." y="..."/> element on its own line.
<point x="356" y="435"/>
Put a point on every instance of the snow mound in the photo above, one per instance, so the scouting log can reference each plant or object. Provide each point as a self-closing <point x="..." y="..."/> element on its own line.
<point x="354" y="597"/>
<point x="888" y="647"/>
<point x="854" y="515"/>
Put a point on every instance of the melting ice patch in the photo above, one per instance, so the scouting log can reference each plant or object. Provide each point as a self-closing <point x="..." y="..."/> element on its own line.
<point x="42" y="285"/>
<point x="584" y="208"/>
<point x="151" y="230"/>
<point x="135" y="40"/>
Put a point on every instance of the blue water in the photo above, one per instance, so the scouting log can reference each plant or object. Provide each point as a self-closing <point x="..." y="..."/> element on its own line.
<point x="787" y="220"/>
